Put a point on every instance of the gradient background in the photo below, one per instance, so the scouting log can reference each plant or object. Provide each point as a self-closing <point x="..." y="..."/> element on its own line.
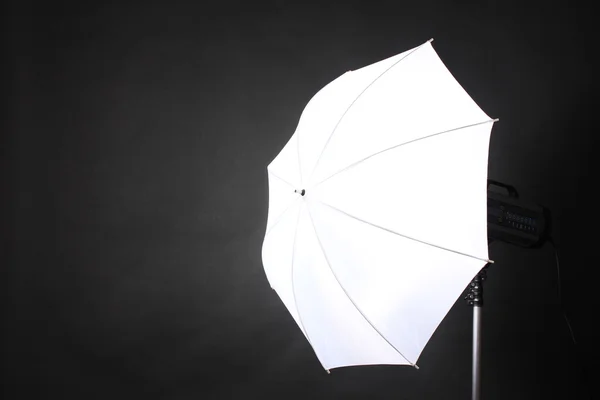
<point x="135" y="191"/>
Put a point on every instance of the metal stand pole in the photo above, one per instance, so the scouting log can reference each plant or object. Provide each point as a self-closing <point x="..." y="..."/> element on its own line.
<point x="476" y="352"/>
<point x="475" y="298"/>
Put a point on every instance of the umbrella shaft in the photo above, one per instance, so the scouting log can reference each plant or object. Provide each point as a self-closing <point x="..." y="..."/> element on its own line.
<point x="476" y="351"/>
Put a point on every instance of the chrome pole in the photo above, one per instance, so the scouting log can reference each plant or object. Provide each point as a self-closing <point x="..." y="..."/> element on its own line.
<point x="476" y="352"/>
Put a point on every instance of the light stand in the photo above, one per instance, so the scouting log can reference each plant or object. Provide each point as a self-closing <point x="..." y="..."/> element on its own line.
<point x="510" y="220"/>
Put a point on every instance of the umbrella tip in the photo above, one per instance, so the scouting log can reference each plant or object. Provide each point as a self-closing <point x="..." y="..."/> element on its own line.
<point x="328" y="372"/>
<point x="430" y="40"/>
<point x="416" y="366"/>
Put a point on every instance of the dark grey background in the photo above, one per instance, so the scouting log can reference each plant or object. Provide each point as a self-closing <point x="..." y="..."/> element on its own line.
<point x="133" y="163"/>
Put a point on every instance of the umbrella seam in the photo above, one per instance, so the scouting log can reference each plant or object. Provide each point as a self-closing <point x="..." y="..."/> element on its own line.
<point x="354" y="101"/>
<point x="401" y="235"/>
<point x="400" y="145"/>
<point x="346" y="293"/>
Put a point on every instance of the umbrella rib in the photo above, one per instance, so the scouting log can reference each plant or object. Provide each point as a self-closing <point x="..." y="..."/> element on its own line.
<point x="400" y="145"/>
<point x="294" y="286"/>
<point x="348" y="295"/>
<point x="354" y="101"/>
<point x="404" y="236"/>
<point x="282" y="180"/>
<point x="280" y="216"/>
<point x="299" y="163"/>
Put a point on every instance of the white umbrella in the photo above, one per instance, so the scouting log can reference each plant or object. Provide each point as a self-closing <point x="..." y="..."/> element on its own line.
<point x="377" y="210"/>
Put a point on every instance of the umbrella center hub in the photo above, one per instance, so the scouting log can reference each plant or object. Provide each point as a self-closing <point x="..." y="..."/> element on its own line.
<point x="301" y="192"/>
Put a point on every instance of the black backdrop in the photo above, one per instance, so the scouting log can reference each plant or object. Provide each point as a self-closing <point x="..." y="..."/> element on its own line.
<point x="133" y="163"/>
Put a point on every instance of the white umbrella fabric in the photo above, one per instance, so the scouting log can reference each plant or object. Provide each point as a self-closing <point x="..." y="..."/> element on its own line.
<point x="377" y="216"/>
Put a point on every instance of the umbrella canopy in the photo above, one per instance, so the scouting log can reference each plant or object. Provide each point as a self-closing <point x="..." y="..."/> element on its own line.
<point x="377" y="214"/>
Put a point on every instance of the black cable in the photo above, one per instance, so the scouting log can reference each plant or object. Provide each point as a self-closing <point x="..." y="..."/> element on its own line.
<point x="564" y="313"/>
<point x="560" y="299"/>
